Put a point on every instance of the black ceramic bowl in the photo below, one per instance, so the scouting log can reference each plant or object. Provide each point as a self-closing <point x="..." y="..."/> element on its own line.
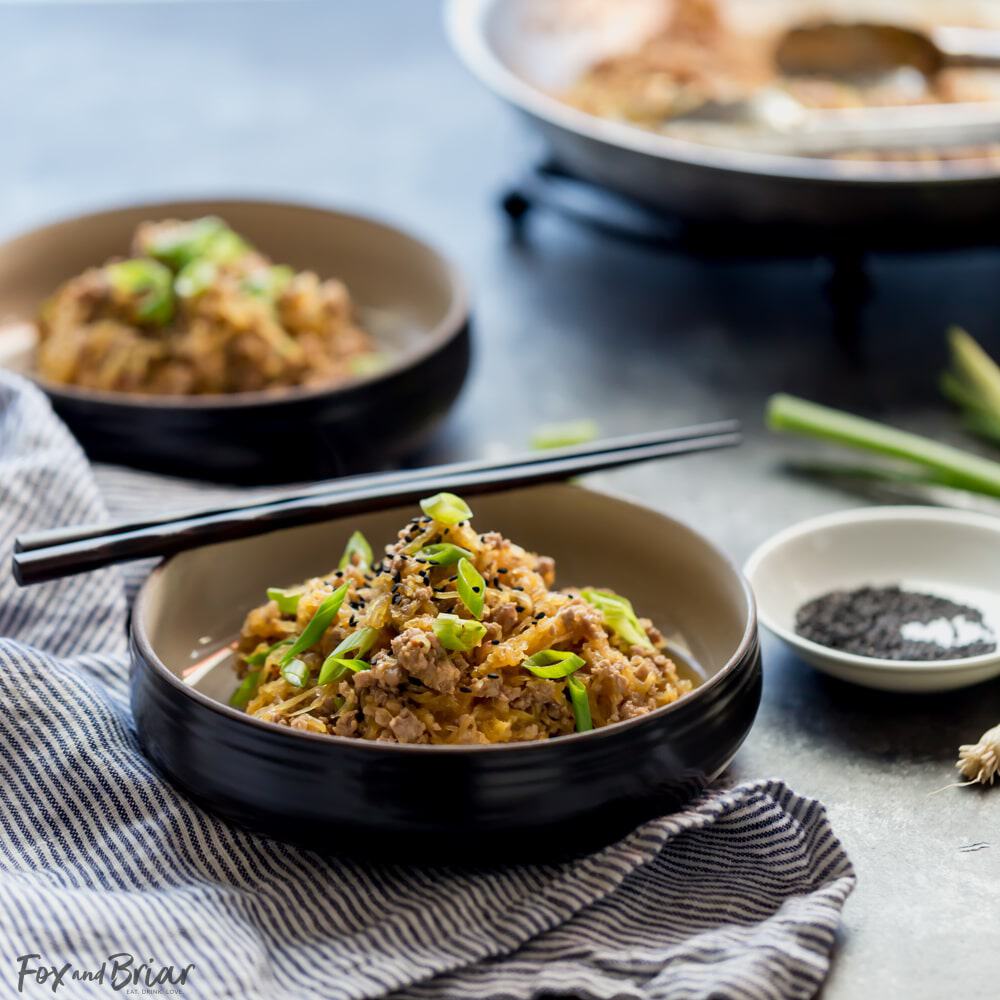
<point x="526" y="800"/>
<point x="407" y="294"/>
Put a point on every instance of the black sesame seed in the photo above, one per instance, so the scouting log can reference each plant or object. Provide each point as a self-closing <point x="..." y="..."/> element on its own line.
<point x="354" y="620"/>
<point x="539" y="616"/>
<point x="502" y="571"/>
<point x="494" y="642"/>
<point x="465" y="690"/>
<point x="493" y="676"/>
<point x="519" y="607"/>
<point x="476" y="590"/>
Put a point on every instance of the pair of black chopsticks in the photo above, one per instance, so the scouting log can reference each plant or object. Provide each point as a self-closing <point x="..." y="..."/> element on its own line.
<point x="59" y="552"/>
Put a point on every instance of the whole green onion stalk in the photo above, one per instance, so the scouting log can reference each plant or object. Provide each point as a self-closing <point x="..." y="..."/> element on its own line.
<point x="973" y="384"/>
<point x="941" y="462"/>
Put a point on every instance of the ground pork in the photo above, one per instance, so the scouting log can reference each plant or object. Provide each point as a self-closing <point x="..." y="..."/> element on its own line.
<point x="422" y="656"/>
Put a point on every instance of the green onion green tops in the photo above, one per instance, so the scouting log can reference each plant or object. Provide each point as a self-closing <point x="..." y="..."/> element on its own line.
<point x="360" y="641"/>
<point x="318" y="624"/>
<point x="618" y="616"/>
<point x="295" y="672"/>
<point x="563" y="435"/>
<point x="553" y="663"/>
<point x="259" y="659"/>
<point x="446" y="508"/>
<point x="148" y="285"/>
<point x="443" y="554"/>
<point x="195" y="278"/>
<point x="580" y="704"/>
<point x="368" y="364"/>
<point x="268" y="282"/>
<point x="208" y="238"/>
<point x="247" y="689"/>
<point x="357" y="545"/>
<point x="334" y="667"/>
<point x="459" y="634"/>
<point x="471" y="587"/>
<point x="357" y="642"/>
<point x="287" y="600"/>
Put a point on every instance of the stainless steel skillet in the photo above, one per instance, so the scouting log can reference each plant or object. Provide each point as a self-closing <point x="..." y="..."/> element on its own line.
<point x="525" y="50"/>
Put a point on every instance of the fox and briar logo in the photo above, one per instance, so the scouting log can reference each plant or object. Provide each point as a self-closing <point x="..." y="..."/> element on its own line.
<point x="119" y="971"/>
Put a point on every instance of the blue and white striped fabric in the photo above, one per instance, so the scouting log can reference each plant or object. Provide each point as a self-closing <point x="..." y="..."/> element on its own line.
<point x="737" y="896"/>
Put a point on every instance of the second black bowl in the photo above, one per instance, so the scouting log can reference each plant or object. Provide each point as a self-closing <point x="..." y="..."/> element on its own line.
<point x="410" y="298"/>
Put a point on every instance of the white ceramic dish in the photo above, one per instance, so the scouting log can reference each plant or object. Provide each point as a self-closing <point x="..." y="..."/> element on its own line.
<point x="954" y="554"/>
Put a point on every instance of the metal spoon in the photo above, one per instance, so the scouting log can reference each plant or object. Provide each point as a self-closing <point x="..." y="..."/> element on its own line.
<point x="867" y="51"/>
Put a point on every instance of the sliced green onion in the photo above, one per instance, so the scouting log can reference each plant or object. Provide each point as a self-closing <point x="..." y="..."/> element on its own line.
<point x="553" y="663"/>
<point x="268" y="282"/>
<point x="456" y="633"/>
<point x="147" y="285"/>
<point x="226" y="247"/>
<point x="563" y="435"/>
<point x="247" y="689"/>
<point x="580" y="704"/>
<point x="357" y="642"/>
<point x="618" y="616"/>
<point x="357" y="544"/>
<point x="362" y="641"/>
<point x="446" y="508"/>
<point x="287" y="600"/>
<point x="296" y="672"/>
<point x="368" y="364"/>
<point x="195" y="278"/>
<point x="471" y="587"/>
<point x="334" y="667"/>
<point x="951" y="466"/>
<point x="318" y="624"/>
<point x="443" y="554"/>
<point x="259" y="659"/>
<point x="184" y="242"/>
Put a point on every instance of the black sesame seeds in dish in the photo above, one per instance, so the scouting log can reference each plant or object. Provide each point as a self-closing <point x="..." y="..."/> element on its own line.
<point x="895" y="624"/>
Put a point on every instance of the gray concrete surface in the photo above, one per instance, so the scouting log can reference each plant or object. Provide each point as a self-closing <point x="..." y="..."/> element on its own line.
<point x="361" y="105"/>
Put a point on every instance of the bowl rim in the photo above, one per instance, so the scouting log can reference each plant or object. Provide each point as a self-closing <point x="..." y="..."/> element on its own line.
<point x="894" y="514"/>
<point x="744" y="650"/>
<point x="465" y="24"/>
<point x="448" y="327"/>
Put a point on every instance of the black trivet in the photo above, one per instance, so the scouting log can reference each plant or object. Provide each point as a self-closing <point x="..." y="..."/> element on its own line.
<point x="847" y="250"/>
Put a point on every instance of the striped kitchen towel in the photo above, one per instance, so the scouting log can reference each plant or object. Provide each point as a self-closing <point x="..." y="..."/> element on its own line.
<point x="112" y="883"/>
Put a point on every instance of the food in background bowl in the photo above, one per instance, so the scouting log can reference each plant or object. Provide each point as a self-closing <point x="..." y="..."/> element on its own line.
<point x="198" y="310"/>
<point x="450" y="637"/>
<point x="703" y="55"/>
